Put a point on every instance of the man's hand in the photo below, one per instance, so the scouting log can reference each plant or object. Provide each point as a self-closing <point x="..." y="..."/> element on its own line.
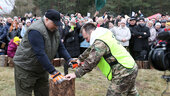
<point x="140" y="37"/>
<point x="57" y="77"/>
<point x="74" y="63"/>
<point x="96" y="13"/>
<point x="70" y="76"/>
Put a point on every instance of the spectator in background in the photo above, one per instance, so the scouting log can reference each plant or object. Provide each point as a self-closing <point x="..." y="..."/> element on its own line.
<point x="24" y="28"/>
<point x="16" y="19"/>
<point x="132" y="25"/>
<point x="1" y="24"/>
<point x="123" y="34"/>
<point x="2" y="37"/>
<point x="163" y="17"/>
<point x="12" y="46"/>
<point x="140" y="13"/>
<point x="13" y="31"/>
<point x="65" y="29"/>
<point x="158" y="28"/>
<point x="5" y="31"/>
<point x="83" y="45"/>
<point x="153" y="20"/>
<point x="100" y="22"/>
<point x="109" y="25"/>
<point x="158" y="18"/>
<point x="112" y="28"/>
<point x="78" y="17"/>
<point x="141" y="45"/>
<point x="118" y="18"/>
<point x="152" y="32"/>
<point x="8" y="24"/>
<point x="20" y="25"/>
<point x="71" y="40"/>
<point x="71" y="16"/>
<point x="163" y="23"/>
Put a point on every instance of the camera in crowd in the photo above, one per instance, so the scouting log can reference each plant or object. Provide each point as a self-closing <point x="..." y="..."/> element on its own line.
<point x="159" y="56"/>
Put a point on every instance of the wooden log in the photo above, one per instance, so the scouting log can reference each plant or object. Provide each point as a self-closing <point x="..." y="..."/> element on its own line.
<point x="62" y="61"/>
<point x="66" y="88"/>
<point x="56" y="62"/>
<point x="10" y="62"/>
<point x="146" y="65"/>
<point x="139" y="63"/>
<point x="3" y="60"/>
<point x="6" y="61"/>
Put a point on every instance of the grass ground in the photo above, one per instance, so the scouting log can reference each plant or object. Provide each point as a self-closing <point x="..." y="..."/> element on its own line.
<point x="149" y="83"/>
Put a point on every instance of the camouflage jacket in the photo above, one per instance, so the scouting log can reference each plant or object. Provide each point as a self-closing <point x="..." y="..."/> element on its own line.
<point x="92" y="56"/>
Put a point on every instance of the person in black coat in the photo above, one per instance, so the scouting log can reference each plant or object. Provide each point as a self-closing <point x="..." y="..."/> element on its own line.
<point x="141" y="45"/>
<point x="71" y="39"/>
<point x="132" y="24"/>
<point x="13" y="31"/>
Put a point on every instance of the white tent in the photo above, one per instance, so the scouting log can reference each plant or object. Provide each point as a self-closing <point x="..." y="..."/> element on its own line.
<point x="6" y="6"/>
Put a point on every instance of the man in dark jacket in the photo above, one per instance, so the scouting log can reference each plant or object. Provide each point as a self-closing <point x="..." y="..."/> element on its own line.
<point x="2" y="38"/>
<point x="132" y="24"/>
<point x="5" y="31"/>
<point x="33" y="57"/>
<point x="141" y="44"/>
<point x="71" y="40"/>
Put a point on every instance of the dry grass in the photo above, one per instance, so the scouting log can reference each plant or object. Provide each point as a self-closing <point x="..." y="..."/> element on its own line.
<point x="149" y="83"/>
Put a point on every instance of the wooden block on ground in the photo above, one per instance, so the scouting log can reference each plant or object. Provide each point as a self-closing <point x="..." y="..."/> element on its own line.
<point x="3" y="60"/>
<point x="56" y="62"/>
<point x="62" y="61"/>
<point x="144" y="64"/>
<point x="10" y="62"/>
<point x="139" y="63"/>
<point x="66" y="88"/>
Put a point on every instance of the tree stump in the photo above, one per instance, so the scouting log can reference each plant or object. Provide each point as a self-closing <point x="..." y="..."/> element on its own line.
<point x="66" y="88"/>
<point x="10" y="62"/>
<point x="144" y="64"/>
<point x="57" y="62"/>
<point x="139" y="63"/>
<point x="3" y="60"/>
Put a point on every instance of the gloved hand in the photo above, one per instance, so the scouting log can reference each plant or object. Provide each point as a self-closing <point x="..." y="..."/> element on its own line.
<point x="57" y="77"/>
<point x="73" y="64"/>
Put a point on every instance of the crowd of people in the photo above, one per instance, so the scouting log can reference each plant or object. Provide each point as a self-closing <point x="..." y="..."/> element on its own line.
<point x="135" y="33"/>
<point x="33" y="42"/>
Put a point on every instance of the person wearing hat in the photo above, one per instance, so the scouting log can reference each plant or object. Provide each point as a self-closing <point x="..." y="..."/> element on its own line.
<point x="72" y="38"/>
<point x="123" y="34"/>
<point x="12" y="46"/>
<point x="132" y="24"/>
<point x="163" y="23"/>
<point x="164" y="36"/>
<point x="24" y="28"/>
<point x="158" y="27"/>
<point x="33" y="57"/>
<point x="141" y="45"/>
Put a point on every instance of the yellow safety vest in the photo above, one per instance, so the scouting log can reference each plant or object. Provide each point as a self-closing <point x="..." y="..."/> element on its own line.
<point x="118" y="51"/>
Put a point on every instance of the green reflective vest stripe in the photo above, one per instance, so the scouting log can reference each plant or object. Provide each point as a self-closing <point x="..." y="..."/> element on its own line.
<point x="118" y="51"/>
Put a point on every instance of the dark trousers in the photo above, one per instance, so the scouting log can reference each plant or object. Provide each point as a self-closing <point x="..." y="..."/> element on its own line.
<point x="26" y="82"/>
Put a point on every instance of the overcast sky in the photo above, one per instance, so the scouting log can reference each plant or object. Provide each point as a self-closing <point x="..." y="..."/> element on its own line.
<point x="7" y="8"/>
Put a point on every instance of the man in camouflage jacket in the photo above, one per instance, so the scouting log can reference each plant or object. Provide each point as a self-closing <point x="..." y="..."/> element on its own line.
<point x="123" y="74"/>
